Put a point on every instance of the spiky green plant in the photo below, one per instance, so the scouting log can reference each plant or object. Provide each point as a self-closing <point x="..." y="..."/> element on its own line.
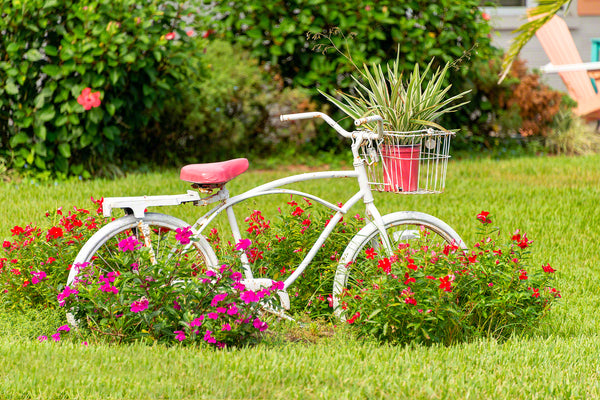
<point x="404" y="106"/>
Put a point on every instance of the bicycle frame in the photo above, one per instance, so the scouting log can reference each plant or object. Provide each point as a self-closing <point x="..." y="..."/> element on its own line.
<point x="137" y="205"/>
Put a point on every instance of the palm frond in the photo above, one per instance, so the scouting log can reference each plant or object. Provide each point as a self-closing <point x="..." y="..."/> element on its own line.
<point x="545" y="10"/>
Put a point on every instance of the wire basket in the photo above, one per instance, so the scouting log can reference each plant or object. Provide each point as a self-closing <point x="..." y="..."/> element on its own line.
<point x="408" y="162"/>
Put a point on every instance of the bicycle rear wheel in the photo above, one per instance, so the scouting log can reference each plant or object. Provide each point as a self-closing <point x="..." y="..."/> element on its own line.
<point x="101" y="248"/>
<point x="401" y="227"/>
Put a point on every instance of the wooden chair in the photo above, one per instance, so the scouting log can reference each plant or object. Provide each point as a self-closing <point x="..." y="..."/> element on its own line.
<point x="565" y="60"/>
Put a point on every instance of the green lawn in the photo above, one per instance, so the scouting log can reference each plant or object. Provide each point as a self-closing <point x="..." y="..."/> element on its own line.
<point x="553" y="199"/>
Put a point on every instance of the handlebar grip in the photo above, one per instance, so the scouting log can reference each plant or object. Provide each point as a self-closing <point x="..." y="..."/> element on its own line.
<point x="366" y="120"/>
<point x="293" y="117"/>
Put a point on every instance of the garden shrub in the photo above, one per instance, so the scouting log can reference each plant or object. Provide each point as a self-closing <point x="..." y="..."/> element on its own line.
<point x="428" y="293"/>
<point x="79" y="80"/>
<point x="232" y="111"/>
<point x="37" y="259"/>
<point x="520" y="108"/>
<point x="293" y="39"/>
<point x="166" y="301"/>
<point x="276" y="33"/>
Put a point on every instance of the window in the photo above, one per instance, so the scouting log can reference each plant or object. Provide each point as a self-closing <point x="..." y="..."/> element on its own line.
<point x="508" y="7"/>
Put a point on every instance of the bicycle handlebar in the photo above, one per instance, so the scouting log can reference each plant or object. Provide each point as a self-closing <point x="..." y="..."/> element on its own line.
<point x="335" y="125"/>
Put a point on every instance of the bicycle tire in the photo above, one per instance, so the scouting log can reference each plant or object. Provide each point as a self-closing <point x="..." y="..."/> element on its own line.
<point x="369" y="234"/>
<point x="106" y="239"/>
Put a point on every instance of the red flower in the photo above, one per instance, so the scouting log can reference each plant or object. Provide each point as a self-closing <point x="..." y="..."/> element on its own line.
<point x="370" y="253"/>
<point x="483" y="217"/>
<point x="54" y="233"/>
<point x="412" y="266"/>
<point x="297" y="211"/>
<point x="409" y="281"/>
<point x="523" y="275"/>
<point x="254" y="255"/>
<point x="190" y="32"/>
<point x="353" y="319"/>
<point x="410" y="300"/>
<point x="170" y="36"/>
<point x="485" y="16"/>
<point x="555" y="292"/>
<point x="547" y="268"/>
<point x="385" y="265"/>
<point x="536" y="293"/>
<point x="6" y="244"/>
<point x="17" y="230"/>
<point x="446" y="283"/>
<point x="88" y="99"/>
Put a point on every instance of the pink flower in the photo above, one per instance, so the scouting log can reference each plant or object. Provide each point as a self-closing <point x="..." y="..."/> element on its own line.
<point x="232" y="310"/>
<point x="38" y="277"/>
<point x="236" y="276"/>
<point x="180" y="335"/>
<point x="139" y="305"/>
<point x="183" y="234"/>
<point x="197" y="321"/>
<point x="129" y="244"/>
<point x="243" y="244"/>
<point x="64" y="294"/>
<point x="63" y="328"/>
<point x="56" y="337"/>
<point x="108" y="288"/>
<point x="42" y="338"/>
<point x="226" y="327"/>
<point x="88" y="99"/>
<point x="217" y="299"/>
<point x="190" y="32"/>
<point x="276" y="285"/>
<point x="212" y="315"/>
<point x="249" y="297"/>
<point x="176" y="305"/>
<point x="485" y="16"/>
<point x="170" y="36"/>
<point x="208" y="338"/>
<point x="260" y="325"/>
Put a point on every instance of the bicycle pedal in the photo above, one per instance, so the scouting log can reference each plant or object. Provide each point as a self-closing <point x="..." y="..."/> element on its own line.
<point x="261" y="283"/>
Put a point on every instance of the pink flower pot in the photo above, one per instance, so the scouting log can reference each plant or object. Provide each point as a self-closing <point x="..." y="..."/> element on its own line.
<point x="401" y="172"/>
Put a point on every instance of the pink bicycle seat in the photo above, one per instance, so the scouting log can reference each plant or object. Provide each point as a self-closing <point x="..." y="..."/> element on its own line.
<point x="214" y="173"/>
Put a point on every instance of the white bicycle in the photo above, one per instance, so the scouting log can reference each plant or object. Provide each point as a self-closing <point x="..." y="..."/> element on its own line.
<point x="409" y="163"/>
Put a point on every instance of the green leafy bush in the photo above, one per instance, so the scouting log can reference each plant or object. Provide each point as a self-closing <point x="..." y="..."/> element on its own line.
<point x="430" y="293"/>
<point x="276" y="33"/>
<point x="232" y="111"/>
<point x="131" y="57"/>
<point x="520" y="109"/>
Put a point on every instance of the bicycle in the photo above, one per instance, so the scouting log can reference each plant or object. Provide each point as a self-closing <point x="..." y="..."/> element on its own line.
<point x="379" y="165"/>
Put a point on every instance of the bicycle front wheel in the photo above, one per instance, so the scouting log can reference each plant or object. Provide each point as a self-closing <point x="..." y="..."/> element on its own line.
<point x="101" y="248"/>
<point x="401" y="227"/>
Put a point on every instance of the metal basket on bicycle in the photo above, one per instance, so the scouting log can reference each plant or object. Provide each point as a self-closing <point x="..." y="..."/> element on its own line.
<point x="408" y="162"/>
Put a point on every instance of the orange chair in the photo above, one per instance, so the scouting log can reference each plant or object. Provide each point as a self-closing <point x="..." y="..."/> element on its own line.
<point x="565" y="60"/>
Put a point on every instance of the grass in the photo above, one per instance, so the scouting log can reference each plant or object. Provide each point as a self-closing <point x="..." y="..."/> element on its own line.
<point x="553" y="199"/>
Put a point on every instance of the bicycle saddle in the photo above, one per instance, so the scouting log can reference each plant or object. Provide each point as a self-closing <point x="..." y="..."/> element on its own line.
<point x="213" y="173"/>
